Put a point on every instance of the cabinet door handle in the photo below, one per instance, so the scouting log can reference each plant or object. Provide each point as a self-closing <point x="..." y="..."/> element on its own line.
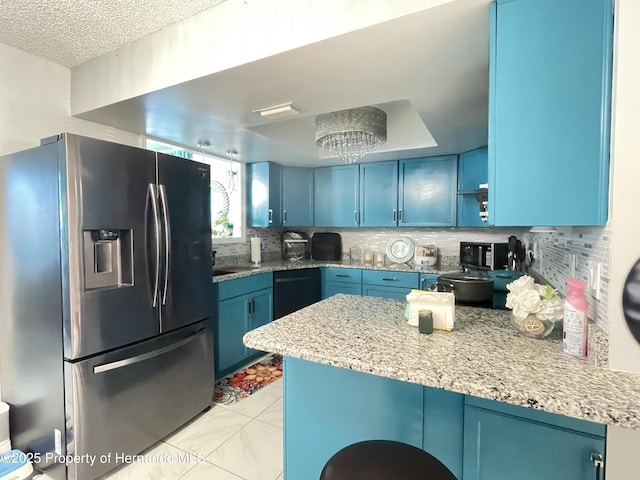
<point x="343" y="275"/>
<point x="386" y="279"/>
<point x="250" y="306"/>
<point x="284" y="216"/>
<point x="356" y="217"/>
<point x="597" y="460"/>
<point x="422" y="282"/>
<point x="270" y="215"/>
<point x="401" y="216"/>
<point x="395" y="215"/>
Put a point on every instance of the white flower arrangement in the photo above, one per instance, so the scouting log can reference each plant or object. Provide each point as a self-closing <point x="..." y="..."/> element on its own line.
<point x="526" y="297"/>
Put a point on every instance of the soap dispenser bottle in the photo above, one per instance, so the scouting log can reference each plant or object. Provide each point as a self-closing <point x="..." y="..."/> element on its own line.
<point x="574" y="328"/>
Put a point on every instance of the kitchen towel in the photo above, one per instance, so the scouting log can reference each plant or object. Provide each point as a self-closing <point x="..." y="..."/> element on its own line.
<point x="256" y="249"/>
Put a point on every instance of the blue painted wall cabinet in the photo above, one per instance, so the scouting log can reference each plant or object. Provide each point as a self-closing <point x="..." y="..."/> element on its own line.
<point x="264" y="194"/>
<point x="427" y="195"/>
<point x="549" y="112"/>
<point x="336" y="196"/>
<point x="279" y="196"/>
<point x="472" y="172"/>
<point x="297" y="197"/>
<point x="379" y="194"/>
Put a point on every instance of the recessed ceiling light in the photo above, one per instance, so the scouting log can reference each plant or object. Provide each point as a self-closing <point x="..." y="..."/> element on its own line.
<point x="278" y="111"/>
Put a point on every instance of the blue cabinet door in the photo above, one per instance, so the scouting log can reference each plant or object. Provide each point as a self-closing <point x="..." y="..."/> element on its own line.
<point x="379" y="194"/>
<point x="472" y="172"/>
<point x="505" y="442"/>
<point x="259" y="312"/>
<point x="327" y="408"/>
<point x="428" y="279"/>
<point x="230" y="351"/>
<point x="264" y="194"/>
<point x="397" y="293"/>
<point x="329" y="289"/>
<point x="336" y="196"/>
<point x="428" y="192"/>
<point x="549" y="112"/>
<point x="297" y="197"/>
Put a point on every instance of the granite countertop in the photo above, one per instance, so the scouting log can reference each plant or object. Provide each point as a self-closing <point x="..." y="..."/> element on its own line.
<point x="483" y="356"/>
<point x="278" y="265"/>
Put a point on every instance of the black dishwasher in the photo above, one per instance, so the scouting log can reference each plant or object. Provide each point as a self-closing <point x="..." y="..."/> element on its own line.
<point x="294" y="289"/>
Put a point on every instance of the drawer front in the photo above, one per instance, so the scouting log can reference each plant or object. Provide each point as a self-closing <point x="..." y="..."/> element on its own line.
<point x="390" y="278"/>
<point x="336" y="274"/>
<point x="242" y="286"/>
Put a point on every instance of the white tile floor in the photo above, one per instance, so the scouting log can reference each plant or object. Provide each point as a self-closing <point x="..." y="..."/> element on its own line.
<point x="242" y="441"/>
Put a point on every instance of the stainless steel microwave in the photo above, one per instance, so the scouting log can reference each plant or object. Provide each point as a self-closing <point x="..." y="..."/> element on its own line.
<point x="486" y="256"/>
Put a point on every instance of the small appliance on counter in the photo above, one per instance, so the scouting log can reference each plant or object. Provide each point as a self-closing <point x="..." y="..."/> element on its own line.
<point x="326" y="246"/>
<point x="426" y="256"/>
<point x="483" y="256"/>
<point x="295" y="245"/>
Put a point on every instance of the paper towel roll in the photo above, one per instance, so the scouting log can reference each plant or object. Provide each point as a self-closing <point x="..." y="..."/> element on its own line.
<point x="5" y="442"/>
<point x="256" y="249"/>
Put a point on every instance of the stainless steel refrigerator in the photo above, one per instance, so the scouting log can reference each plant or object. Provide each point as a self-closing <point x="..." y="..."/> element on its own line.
<point x="106" y="343"/>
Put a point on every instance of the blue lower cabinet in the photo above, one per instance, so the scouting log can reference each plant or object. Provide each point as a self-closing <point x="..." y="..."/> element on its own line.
<point x="243" y="304"/>
<point x="443" y="427"/>
<point x="231" y="328"/>
<point x="341" y="280"/>
<point x="428" y="279"/>
<point x="388" y="284"/>
<point x="506" y="442"/>
<point x="327" y="408"/>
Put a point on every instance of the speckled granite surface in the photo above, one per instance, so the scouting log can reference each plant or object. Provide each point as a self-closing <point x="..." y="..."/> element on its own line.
<point x="484" y="356"/>
<point x="277" y="265"/>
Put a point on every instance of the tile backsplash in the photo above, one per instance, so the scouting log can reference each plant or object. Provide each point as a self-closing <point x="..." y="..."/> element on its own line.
<point x="552" y="252"/>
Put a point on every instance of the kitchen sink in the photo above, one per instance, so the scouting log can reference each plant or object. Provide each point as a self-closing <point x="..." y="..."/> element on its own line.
<point x="230" y="269"/>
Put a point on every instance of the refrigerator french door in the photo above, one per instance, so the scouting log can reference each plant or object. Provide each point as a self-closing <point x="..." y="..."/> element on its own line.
<point x="113" y="349"/>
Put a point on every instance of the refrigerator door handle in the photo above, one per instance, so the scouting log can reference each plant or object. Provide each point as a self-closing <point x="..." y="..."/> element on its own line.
<point x="167" y="242"/>
<point x="152" y="197"/>
<point x="106" y="367"/>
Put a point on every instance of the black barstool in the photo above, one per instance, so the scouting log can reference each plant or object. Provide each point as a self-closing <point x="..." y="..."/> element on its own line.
<point x="384" y="460"/>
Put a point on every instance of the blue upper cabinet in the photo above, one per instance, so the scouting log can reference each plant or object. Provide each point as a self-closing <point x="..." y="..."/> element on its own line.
<point x="297" y="197"/>
<point x="379" y="194"/>
<point x="264" y="194"/>
<point x="472" y="173"/>
<point x="427" y="195"/>
<point x="336" y="196"/>
<point x="549" y="112"/>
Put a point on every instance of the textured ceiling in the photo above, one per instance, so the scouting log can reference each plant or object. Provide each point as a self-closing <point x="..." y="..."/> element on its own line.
<point x="70" y="32"/>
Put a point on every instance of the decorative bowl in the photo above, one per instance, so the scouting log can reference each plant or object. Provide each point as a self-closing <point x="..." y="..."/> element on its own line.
<point x="533" y="327"/>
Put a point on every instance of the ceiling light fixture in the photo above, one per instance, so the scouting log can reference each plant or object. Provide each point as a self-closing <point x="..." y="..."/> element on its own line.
<point x="278" y="111"/>
<point x="351" y="134"/>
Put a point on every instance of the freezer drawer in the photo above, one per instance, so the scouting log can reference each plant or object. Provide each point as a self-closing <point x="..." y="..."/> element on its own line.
<point x="125" y="401"/>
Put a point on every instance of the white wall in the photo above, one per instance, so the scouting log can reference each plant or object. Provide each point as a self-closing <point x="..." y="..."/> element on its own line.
<point x="623" y="461"/>
<point x="36" y="104"/>
<point x="233" y="33"/>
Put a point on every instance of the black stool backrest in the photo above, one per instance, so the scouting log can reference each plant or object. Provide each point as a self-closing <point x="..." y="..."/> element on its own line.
<point x="384" y="460"/>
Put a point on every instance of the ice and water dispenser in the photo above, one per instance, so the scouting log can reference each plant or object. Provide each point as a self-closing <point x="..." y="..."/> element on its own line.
<point x="108" y="258"/>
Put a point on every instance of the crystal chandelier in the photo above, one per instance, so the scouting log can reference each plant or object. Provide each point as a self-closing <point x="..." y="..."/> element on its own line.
<point x="351" y="134"/>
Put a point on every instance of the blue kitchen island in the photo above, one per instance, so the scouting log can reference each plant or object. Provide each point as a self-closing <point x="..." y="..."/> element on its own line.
<point x="487" y="401"/>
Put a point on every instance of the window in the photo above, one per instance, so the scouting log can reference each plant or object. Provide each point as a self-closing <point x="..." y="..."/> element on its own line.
<point x="227" y="182"/>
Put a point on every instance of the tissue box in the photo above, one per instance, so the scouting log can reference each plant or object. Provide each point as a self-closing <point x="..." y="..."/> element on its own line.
<point x="441" y="304"/>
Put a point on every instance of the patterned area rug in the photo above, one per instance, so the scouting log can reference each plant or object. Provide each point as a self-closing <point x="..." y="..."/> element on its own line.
<point x="239" y="385"/>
